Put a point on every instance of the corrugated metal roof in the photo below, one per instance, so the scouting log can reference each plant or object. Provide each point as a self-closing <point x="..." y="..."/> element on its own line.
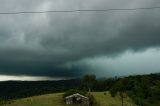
<point x="76" y="94"/>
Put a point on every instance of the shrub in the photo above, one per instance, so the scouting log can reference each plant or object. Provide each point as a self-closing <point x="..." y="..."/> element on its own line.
<point x="92" y="101"/>
<point x="113" y="92"/>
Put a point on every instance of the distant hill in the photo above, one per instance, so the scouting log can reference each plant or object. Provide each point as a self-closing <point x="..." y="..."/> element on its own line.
<point x="20" y="89"/>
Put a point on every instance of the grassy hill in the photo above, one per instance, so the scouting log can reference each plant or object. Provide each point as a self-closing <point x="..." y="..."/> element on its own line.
<point x="56" y="100"/>
<point x="107" y="100"/>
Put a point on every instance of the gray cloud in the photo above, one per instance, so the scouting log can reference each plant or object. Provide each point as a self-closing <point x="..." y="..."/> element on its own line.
<point x="40" y="44"/>
<point x="128" y="63"/>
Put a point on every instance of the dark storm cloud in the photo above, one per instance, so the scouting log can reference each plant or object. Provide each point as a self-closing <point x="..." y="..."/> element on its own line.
<point x="40" y="44"/>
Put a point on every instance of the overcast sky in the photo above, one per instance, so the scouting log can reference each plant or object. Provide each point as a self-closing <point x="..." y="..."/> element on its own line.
<point x="65" y="45"/>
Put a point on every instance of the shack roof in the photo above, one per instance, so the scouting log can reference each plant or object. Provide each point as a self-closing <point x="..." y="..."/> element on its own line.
<point x="76" y="95"/>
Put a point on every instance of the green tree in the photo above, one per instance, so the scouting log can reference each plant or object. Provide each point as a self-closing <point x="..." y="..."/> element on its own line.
<point x="88" y="81"/>
<point x="120" y="87"/>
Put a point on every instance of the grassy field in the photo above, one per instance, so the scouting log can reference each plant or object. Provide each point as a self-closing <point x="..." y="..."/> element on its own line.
<point x="43" y="100"/>
<point x="56" y="100"/>
<point x="107" y="100"/>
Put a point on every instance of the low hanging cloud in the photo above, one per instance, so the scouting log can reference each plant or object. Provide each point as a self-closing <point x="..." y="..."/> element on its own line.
<point x="41" y="44"/>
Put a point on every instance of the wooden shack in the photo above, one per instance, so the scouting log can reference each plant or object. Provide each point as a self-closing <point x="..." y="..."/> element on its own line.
<point x="77" y="99"/>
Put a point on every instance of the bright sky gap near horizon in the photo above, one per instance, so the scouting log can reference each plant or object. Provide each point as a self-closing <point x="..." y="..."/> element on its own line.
<point x="66" y="45"/>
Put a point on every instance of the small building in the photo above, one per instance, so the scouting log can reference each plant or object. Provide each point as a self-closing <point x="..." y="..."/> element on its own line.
<point x="77" y="99"/>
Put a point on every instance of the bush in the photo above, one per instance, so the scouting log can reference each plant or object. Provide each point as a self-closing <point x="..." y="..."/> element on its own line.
<point x="113" y="92"/>
<point x="92" y="101"/>
<point x="2" y="101"/>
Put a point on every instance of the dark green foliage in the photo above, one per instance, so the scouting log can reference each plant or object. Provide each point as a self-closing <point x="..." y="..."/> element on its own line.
<point x="88" y="82"/>
<point x="121" y="87"/>
<point x="21" y="89"/>
<point x="144" y="89"/>
<point x="96" y="85"/>
<point x="104" y="85"/>
<point x="113" y="92"/>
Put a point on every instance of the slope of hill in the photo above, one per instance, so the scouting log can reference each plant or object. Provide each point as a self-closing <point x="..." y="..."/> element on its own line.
<point x="107" y="100"/>
<point x="57" y="100"/>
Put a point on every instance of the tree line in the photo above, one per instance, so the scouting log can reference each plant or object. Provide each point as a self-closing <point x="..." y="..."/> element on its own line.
<point x="143" y="89"/>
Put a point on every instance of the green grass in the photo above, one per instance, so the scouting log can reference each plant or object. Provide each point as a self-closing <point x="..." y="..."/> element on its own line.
<point x="57" y="100"/>
<point x="108" y="100"/>
<point x="43" y="100"/>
